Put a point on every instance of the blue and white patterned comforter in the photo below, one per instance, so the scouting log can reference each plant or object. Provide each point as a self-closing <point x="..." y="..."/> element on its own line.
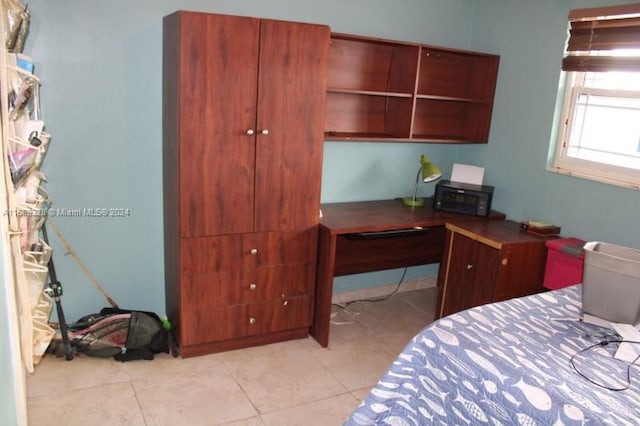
<point x="506" y="363"/>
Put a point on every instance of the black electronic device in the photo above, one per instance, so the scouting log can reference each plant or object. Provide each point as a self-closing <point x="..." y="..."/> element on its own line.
<point x="460" y="197"/>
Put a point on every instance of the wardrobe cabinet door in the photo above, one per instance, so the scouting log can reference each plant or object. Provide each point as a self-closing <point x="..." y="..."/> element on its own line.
<point x="290" y="138"/>
<point x="218" y="74"/>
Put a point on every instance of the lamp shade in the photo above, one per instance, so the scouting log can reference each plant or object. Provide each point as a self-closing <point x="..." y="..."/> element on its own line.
<point x="429" y="173"/>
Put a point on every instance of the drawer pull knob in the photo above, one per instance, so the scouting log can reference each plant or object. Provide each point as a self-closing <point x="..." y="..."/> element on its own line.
<point x="285" y="303"/>
<point x="469" y="266"/>
<point x="250" y="132"/>
<point x="252" y="320"/>
<point x="265" y="132"/>
<point x="252" y="286"/>
<point x="254" y="251"/>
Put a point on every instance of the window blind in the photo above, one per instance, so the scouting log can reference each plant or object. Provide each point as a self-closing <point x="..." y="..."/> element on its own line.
<point x="596" y="32"/>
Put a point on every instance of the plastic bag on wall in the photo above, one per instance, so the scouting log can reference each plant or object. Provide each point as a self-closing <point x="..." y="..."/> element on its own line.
<point x="22" y="89"/>
<point x="17" y="21"/>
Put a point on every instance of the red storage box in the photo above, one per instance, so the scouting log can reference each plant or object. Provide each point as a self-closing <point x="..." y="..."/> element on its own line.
<point x="565" y="260"/>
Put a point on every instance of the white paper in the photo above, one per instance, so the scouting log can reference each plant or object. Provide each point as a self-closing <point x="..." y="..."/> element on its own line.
<point x="466" y="173"/>
<point x="627" y="351"/>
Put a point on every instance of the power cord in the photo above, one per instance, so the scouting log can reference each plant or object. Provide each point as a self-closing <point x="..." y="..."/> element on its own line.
<point x="380" y="299"/>
<point x="601" y="344"/>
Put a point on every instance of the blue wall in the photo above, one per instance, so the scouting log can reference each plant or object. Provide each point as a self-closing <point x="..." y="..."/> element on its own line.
<point x="530" y="38"/>
<point x="100" y="63"/>
<point x="11" y="404"/>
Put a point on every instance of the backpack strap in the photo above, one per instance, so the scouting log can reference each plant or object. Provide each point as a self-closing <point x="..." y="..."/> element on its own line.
<point x="134" y="354"/>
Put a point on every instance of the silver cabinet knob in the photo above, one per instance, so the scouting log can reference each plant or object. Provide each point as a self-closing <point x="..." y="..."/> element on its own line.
<point x="285" y="303"/>
<point x="265" y="132"/>
<point x="469" y="266"/>
<point x="254" y="251"/>
<point x="250" y="132"/>
<point x="252" y="286"/>
<point x="252" y="320"/>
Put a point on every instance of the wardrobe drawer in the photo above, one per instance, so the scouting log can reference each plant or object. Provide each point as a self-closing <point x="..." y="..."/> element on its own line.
<point x="241" y="251"/>
<point x="239" y="287"/>
<point x="216" y="324"/>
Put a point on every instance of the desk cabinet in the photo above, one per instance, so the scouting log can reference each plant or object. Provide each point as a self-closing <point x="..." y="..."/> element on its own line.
<point x="367" y="236"/>
<point x="243" y="117"/>
<point x="487" y="262"/>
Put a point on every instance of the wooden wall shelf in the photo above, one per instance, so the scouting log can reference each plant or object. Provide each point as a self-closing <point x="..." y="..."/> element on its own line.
<point x="381" y="90"/>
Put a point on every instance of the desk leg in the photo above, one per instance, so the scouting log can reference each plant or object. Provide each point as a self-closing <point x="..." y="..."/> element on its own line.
<point x="324" y="286"/>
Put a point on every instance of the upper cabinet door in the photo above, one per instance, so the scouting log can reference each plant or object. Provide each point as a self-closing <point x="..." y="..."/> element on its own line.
<point x="290" y="126"/>
<point x="217" y="77"/>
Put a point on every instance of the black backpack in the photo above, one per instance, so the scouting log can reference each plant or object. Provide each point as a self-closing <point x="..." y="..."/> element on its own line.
<point x="125" y="335"/>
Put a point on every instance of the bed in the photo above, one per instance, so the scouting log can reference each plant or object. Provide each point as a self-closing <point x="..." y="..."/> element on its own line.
<point x="508" y="363"/>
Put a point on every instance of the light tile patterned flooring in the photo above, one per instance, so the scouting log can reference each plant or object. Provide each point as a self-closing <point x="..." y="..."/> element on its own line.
<point x="290" y="383"/>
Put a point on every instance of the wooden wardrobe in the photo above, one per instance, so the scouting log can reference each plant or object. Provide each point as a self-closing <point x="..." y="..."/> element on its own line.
<point x="243" y="123"/>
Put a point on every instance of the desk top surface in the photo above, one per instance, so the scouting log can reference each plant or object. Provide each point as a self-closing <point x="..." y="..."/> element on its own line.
<point x="382" y="215"/>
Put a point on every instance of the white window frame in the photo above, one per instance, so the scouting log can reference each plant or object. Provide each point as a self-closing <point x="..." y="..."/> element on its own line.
<point x="591" y="170"/>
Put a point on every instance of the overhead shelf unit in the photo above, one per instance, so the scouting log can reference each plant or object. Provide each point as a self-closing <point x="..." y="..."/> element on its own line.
<point x="381" y="90"/>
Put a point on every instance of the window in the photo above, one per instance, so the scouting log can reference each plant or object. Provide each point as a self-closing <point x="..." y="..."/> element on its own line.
<point x="599" y="134"/>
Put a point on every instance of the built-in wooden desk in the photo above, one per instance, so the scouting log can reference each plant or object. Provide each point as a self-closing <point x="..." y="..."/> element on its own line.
<point x="367" y="236"/>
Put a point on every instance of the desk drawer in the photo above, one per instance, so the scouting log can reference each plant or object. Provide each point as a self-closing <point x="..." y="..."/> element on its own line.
<point x="238" y="251"/>
<point x="217" y="324"/>
<point x="247" y="286"/>
<point x="356" y="253"/>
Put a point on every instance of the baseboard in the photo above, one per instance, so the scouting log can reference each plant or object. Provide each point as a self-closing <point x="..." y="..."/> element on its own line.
<point x="383" y="290"/>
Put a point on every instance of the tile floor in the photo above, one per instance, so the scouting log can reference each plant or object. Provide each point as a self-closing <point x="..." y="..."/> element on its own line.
<point x="290" y="383"/>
